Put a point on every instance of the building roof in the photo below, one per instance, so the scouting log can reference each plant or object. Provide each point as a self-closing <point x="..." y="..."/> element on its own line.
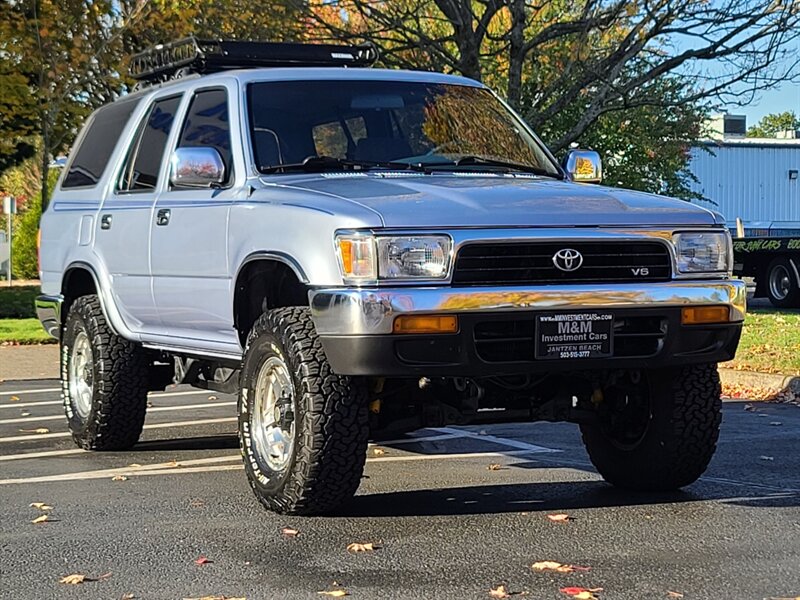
<point x="753" y="142"/>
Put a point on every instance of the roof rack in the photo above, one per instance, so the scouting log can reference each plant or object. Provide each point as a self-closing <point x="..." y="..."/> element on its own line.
<point x="191" y="55"/>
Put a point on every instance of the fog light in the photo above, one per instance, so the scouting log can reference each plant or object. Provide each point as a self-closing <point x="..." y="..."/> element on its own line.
<point x="426" y="324"/>
<point x="695" y="315"/>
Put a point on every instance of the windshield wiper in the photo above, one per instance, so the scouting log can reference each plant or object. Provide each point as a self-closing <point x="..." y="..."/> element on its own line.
<point x="316" y="164"/>
<point x="473" y="160"/>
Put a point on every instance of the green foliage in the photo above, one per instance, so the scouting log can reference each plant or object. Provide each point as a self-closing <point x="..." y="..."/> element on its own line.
<point x="24" y="332"/>
<point x="25" y="259"/>
<point x="770" y="125"/>
<point x="17" y="302"/>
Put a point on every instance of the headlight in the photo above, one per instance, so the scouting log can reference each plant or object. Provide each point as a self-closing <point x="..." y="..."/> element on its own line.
<point x="365" y="259"/>
<point x="419" y="257"/>
<point x="703" y="252"/>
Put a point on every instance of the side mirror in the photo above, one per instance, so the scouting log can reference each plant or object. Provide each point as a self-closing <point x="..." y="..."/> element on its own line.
<point x="196" y="168"/>
<point x="584" y="166"/>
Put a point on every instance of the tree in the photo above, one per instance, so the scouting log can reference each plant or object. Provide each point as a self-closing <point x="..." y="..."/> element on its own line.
<point x="609" y="55"/>
<point x="770" y="125"/>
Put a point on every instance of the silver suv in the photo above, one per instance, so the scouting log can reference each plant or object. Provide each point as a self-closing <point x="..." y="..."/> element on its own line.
<point x="360" y="252"/>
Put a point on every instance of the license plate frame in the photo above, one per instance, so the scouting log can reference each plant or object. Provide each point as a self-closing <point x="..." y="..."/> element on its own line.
<point x="570" y="335"/>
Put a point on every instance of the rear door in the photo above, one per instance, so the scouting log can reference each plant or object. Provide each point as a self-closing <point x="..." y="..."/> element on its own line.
<point x="123" y="229"/>
<point x="191" y="279"/>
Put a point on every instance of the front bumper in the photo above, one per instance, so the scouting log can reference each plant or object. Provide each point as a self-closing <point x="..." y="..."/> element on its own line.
<point x="48" y="309"/>
<point x="355" y="326"/>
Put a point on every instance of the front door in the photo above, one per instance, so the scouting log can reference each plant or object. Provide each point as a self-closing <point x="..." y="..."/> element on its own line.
<point x="191" y="279"/>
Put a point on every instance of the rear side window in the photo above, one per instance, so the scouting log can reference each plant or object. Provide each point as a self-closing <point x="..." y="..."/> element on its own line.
<point x="207" y="125"/>
<point x="145" y="156"/>
<point x="99" y="141"/>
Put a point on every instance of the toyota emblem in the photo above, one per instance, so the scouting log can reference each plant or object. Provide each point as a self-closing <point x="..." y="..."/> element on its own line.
<point x="568" y="260"/>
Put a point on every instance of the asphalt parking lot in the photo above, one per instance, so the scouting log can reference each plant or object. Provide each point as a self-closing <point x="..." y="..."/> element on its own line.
<point x="447" y="525"/>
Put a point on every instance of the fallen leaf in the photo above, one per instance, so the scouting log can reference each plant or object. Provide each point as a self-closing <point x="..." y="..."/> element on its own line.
<point x="40" y="430"/>
<point x="334" y="593"/>
<point x="127" y="597"/>
<point x="581" y="593"/>
<point x="494" y="467"/>
<point x="173" y="463"/>
<point x="356" y="547"/>
<point x="73" y="579"/>
<point x="290" y="532"/>
<point x="560" y="518"/>
<point x="40" y="506"/>
<point x="197" y="503"/>
<point x="202" y="560"/>
<point x="550" y="565"/>
<point x="119" y="478"/>
<point x="14" y="399"/>
<point x="41" y="519"/>
<point x="766" y="458"/>
<point x="378" y="451"/>
<point x="24" y="414"/>
<point x="499" y="592"/>
<point x="212" y="397"/>
<point x="674" y="595"/>
<point x="134" y="465"/>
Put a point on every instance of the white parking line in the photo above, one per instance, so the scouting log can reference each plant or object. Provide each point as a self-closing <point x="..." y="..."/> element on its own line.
<point x="149" y="410"/>
<point x="44" y="436"/>
<point x="46" y="454"/>
<point x="151" y="395"/>
<point x="38" y="391"/>
<point x="496" y="440"/>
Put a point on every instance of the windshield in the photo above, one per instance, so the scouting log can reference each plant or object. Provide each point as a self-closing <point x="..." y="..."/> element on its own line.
<point x="379" y="122"/>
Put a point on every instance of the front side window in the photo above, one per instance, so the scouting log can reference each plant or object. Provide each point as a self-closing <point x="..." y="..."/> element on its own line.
<point x="207" y="125"/>
<point x="146" y="155"/>
<point x="92" y="155"/>
<point x="431" y="124"/>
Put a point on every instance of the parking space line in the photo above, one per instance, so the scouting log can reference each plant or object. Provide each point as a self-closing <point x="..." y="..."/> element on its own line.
<point x="46" y="402"/>
<point x="29" y="404"/>
<point x="149" y="410"/>
<point x="45" y="454"/>
<point x="533" y="448"/>
<point x="26" y="392"/>
<point x="411" y="440"/>
<point x="44" y="436"/>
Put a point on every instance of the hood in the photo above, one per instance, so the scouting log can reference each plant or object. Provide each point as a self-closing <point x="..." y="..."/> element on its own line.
<point x="481" y="200"/>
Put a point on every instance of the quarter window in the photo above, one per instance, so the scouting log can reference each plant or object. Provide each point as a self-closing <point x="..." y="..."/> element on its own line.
<point x="207" y="125"/>
<point x="98" y="143"/>
<point x="147" y="152"/>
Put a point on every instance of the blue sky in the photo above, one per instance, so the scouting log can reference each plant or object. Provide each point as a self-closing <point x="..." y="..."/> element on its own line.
<point x="787" y="97"/>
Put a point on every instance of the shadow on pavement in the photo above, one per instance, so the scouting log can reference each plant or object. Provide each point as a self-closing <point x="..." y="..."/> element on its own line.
<point x="211" y="442"/>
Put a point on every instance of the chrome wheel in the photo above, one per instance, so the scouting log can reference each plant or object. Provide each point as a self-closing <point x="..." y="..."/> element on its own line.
<point x="81" y="375"/>
<point x="780" y="283"/>
<point x="274" y="415"/>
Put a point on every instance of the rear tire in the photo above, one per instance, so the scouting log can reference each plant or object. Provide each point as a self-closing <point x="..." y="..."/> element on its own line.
<point x="781" y="285"/>
<point x="303" y="429"/>
<point x="675" y="435"/>
<point x="104" y="380"/>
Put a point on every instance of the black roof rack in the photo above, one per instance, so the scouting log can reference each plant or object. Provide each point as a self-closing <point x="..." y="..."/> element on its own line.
<point x="191" y="55"/>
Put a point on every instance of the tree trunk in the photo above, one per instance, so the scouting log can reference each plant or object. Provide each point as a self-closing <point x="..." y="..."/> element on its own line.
<point x="45" y="165"/>
<point x="516" y="53"/>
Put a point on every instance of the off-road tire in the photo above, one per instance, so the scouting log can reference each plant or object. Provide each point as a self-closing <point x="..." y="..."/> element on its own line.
<point x="680" y="439"/>
<point x="792" y="298"/>
<point x="120" y="372"/>
<point x="331" y="422"/>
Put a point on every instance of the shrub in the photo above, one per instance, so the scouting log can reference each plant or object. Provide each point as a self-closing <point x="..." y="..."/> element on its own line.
<point x="17" y="302"/>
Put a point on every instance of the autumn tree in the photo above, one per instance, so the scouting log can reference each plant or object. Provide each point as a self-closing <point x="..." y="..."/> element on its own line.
<point x="770" y="125"/>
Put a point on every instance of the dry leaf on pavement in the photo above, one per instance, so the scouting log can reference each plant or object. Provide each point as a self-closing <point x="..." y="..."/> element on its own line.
<point x="580" y="593"/>
<point x="40" y="430"/>
<point x="14" y="399"/>
<point x="134" y="465"/>
<point x="499" y="592"/>
<point x="334" y="593"/>
<point x="40" y="506"/>
<point x="41" y="519"/>
<point x="119" y="478"/>
<point x="290" y="532"/>
<point x="356" y="547"/>
<point x="24" y="413"/>
<point x="127" y="597"/>
<point x="550" y="565"/>
<point x="560" y="518"/>
<point x="494" y="467"/>
<point x="212" y="397"/>
<point x="202" y="560"/>
<point x="378" y="451"/>
<point x="73" y="579"/>
<point x="674" y="595"/>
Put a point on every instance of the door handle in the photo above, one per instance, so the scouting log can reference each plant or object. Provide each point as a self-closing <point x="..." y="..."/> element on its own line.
<point x="162" y="217"/>
<point x="105" y="221"/>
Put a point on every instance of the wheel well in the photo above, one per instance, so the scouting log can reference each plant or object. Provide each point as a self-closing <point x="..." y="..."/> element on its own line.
<point x="77" y="282"/>
<point x="264" y="285"/>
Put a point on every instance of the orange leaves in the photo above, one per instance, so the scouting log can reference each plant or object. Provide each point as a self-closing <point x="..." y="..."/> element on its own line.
<point x="502" y="592"/>
<point x="289" y="532"/>
<point x="580" y="593"/>
<point x="74" y="579"/>
<point x="560" y="518"/>
<point x="202" y="560"/>
<point x="356" y="547"/>
<point x="378" y="451"/>
<point x="40" y="506"/>
<point x="494" y="467"/>
<point x="549" y="565"/>
<point x="334" y="593"/>
<point x="119" y="478"/>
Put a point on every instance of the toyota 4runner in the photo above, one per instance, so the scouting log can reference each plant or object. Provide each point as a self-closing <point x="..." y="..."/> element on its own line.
<point x="360" y="252"/>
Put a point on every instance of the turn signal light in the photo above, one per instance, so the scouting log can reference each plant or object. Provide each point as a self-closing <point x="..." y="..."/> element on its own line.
<point x="695" y="315"/>
<point x="426" y="324"/>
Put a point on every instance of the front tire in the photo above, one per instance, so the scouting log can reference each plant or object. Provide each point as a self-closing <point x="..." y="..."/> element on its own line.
<point x="303" y="430"/>
<point x="658" y="434"/>
<point x="104" y="380"/>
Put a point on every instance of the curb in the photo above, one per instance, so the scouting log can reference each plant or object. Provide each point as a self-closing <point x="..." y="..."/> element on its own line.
<point x="771" y="382"/>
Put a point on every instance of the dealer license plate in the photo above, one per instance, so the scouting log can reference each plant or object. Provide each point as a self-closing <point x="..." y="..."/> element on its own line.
<point x="574" y="335"/>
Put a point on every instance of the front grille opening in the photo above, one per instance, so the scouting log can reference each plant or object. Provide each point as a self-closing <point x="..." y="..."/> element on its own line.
<point x="513" y="340"/>
<point x="511" y="263"/>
